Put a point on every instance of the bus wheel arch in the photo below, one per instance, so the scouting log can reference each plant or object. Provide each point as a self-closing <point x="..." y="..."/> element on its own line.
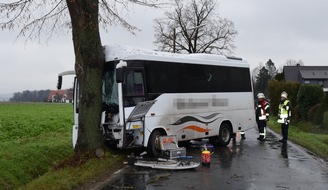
<point x="153" y="148"/>
<point x="224" y="136"/>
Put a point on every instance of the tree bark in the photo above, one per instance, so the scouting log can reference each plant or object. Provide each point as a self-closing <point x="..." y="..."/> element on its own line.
<point x="89" y="63"/>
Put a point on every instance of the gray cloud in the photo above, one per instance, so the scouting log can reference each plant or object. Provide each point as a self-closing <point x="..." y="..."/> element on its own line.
<point x="279" y="30"/>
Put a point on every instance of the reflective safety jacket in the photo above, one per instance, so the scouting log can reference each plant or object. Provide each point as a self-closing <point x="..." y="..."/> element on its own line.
<point x="284" y="113"/>
<point x="262" y="110"/>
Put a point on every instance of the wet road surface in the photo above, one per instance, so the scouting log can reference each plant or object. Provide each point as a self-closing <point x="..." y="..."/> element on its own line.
<point x="245" y="164"/>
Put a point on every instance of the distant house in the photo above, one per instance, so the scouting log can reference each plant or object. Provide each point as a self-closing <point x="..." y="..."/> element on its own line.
<point x="65" y="96"/>
<point x="307" y="75"/>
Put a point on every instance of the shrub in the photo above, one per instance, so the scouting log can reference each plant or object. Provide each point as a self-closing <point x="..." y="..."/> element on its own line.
<point x="313" y="112"/>
<point x="308" y="96"/>
<point x="318" y="116"/>
<point x="296" y="117"/>
<point x="325" y="120"/>
<point x="316" y="113"/>
<point x="325" y="102"/>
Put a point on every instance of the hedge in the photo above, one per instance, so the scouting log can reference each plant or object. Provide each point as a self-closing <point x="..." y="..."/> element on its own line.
<point x="308" y="96"/>
<point x="276" y="87"/>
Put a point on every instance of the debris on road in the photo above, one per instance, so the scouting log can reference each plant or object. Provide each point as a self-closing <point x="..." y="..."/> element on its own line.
<point x="168" y="165"/>
<point x="173" y="157"/>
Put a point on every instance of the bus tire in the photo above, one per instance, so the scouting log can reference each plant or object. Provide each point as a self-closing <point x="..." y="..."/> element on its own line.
<point x="153" y="149"/>
<point x="224" y="137"/>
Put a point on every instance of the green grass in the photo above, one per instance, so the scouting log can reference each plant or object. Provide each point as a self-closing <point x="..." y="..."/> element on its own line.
<point x="307" y="135"/>
<point x="36" y="137"/>
<point x="33" y="138"/>
<point x="70" y="177"/>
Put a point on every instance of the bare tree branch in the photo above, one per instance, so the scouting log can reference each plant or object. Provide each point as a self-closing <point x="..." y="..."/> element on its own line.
<point x="37" y="18"/>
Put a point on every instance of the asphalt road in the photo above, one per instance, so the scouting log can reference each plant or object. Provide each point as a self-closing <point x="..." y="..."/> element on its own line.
<point x="245" y="164"/>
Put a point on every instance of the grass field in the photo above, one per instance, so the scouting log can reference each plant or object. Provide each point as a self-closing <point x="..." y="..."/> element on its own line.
<point x="36" y="138"/>
<point x="33" y="138"/>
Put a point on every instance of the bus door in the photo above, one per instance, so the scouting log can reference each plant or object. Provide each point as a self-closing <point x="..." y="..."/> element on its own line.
<point x="133" y="90"/>
<point x="135" y="124"/>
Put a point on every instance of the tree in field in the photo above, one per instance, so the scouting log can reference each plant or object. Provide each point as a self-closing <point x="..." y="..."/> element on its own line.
<point x="83" y="17"/>
<point x="262" y="80"/>
<point x="30" y="96"/>
<point x="261" y="76"/>
<point x="271" y="68"/>
<point x="194" y="27"/>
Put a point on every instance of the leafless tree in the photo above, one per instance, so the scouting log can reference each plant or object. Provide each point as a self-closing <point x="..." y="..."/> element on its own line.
<point x="35" y="18"/>
<point x="194" y="27"/>
<point x="292" y="62"/>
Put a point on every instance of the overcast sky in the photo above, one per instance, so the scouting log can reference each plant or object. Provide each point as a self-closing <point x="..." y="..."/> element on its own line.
<point x="278" y="30"/>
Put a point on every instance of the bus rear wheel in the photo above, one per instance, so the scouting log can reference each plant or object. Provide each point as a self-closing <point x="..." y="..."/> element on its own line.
<point x="153" y="148"/>
<point x="224" y="137"/>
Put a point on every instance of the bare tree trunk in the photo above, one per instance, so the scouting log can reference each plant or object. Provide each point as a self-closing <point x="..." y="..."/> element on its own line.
<point x="89" y="62"/>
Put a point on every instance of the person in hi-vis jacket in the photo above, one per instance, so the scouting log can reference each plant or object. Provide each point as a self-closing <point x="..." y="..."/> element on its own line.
<point x="284" y="116"/>
<point x="262" y="115"/>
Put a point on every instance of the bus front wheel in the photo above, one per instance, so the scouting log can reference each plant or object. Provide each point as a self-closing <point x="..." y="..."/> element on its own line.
<point x="153" y="148"/>
<point x="224" y="137"/>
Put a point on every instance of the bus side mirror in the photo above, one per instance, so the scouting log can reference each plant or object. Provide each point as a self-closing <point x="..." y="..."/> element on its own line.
<point x="59" y="83"/>
<point x="119" y="75"/>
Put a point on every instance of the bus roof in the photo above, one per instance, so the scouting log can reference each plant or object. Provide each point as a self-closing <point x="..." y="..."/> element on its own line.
<point x="119" y="52"/>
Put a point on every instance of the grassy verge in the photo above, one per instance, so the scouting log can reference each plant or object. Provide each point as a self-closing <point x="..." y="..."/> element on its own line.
<point x="35" y="137"/>
<point x="307" y="135"/>
<point x="71" y="177"/>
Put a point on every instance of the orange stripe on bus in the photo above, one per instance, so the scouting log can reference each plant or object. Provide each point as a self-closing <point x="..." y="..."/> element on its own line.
<point x="196" y="128"/>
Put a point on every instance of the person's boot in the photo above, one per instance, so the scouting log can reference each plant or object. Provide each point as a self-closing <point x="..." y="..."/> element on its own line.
<point x="262" y="138"/>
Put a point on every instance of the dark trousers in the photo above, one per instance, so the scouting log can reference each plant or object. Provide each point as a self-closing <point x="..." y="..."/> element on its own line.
<point x="284" y="132"/>
<point x="261" y="124"/>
